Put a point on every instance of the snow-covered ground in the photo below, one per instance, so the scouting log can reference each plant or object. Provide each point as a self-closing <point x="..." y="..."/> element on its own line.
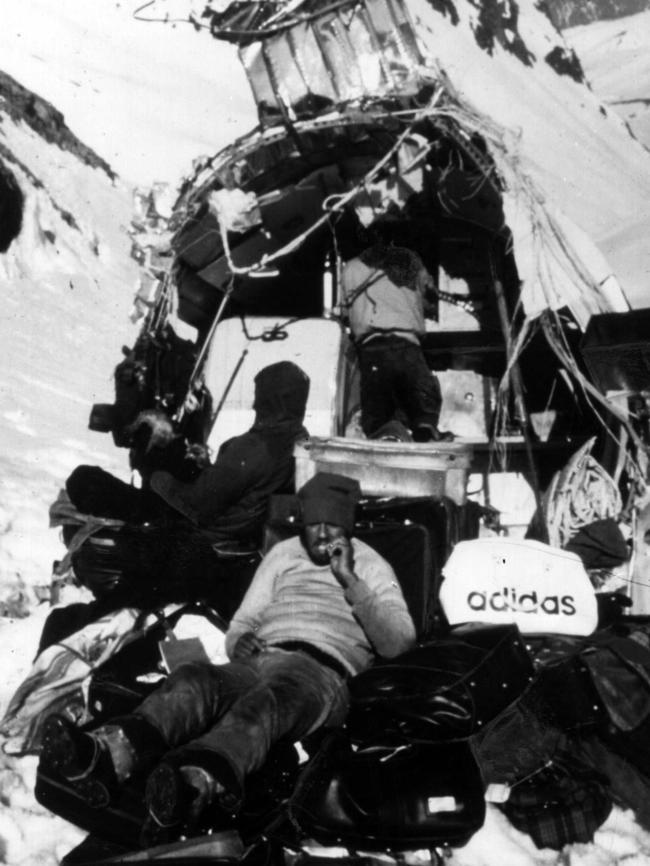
<point x="66" y="295"/>
<point x="615" y="56"/>
<point x="149" y="98"/>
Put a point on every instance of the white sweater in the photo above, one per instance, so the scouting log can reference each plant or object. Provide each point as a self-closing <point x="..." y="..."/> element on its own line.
<point x="292" y="599"/>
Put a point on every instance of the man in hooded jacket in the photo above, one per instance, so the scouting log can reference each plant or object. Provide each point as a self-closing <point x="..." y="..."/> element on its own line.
<point x="229" y="499"/>
<point x="169" y="550"/>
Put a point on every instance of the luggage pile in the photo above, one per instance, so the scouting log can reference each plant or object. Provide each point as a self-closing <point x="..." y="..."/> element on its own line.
<point x="527" y="689"/>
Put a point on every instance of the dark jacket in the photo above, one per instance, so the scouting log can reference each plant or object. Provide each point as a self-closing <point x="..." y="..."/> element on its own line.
<point x="230" y="498"/>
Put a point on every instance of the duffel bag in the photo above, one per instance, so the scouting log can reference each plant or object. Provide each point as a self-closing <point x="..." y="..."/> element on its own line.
<point x="516" y="580"/>
<point x="417" y="796"/>
<point x="446" y="689"/>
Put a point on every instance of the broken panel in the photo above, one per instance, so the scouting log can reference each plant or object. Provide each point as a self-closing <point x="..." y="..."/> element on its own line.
<point x="253" y="61"/>
<point x="340" y="56"/>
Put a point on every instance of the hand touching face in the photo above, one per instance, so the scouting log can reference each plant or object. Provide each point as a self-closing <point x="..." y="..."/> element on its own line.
<point x="317" y="538"/>
<point x="327" y="543"/>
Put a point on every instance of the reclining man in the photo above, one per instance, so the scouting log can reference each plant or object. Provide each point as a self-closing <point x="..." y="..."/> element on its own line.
<point x="321" y="607"/>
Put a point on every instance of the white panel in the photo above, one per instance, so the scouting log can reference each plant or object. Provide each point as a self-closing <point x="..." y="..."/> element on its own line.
<point x="313" y="344"/>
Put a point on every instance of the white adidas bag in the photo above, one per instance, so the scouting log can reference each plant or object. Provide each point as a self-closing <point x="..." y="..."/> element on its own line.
<point x="509" y="580"/>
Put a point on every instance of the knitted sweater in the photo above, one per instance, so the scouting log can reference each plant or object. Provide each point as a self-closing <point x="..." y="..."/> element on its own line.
<point x="230" y="498"/>
<point x="383" y="306"/>
<point x="292" y="599"/>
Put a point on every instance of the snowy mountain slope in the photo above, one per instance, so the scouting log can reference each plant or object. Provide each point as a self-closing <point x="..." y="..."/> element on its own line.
<point x="148" y="97"/>
<point x="65" y="280"/>
<point x="616" y="58"/>
<point x="579" y="155"/>
<point x="66" y="283"/>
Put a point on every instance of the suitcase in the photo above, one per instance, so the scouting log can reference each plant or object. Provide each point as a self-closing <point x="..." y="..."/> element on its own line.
<point x="120" y="821"/>
<point x="121" y="683"/>
<point x="421" y="796"/>
<point x="616" y="350"/>
<point x="408" y="550"/>
<point x="446" y="524"/>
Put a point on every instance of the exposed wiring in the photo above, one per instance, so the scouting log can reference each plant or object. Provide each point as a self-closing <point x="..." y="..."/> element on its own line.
<point x="338" y="205"/>
<point x="191" y="19"/>
<point x="270" y="335"/>
<point x="269" y="29"/>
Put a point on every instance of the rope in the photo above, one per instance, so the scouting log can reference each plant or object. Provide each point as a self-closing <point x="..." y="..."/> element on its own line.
<point x="579" y="494"/>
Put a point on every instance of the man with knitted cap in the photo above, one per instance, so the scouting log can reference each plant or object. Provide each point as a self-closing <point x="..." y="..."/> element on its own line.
<point x="322" y="606"/>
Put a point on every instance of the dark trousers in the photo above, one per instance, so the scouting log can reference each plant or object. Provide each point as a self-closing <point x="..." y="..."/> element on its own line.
<point x="157" y="558"/>
<point x="92" y="490"/>
<point x="396" y="383"/>
<point x="230" y="715"/>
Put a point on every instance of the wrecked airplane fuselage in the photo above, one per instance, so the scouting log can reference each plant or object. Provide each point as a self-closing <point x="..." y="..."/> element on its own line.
<point x="356" y="126"/>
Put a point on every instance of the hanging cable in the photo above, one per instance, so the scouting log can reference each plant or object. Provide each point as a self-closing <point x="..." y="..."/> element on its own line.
<point x="338" y="204"/>
<point x="227" y="389"/>
<point x="191" y="19"/>
<point x="552" y="331"/>
<point x="198" y="366"/>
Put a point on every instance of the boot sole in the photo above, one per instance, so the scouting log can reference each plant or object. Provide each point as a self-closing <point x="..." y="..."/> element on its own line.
<point x="60" y="753"/>
<point x="59" y="748"/>
<point x="166" y="796"/>
<point x="95" y="793"/>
